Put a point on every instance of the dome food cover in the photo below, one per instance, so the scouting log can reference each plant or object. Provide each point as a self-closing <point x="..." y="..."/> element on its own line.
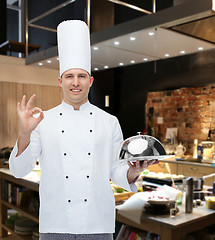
<point x="142" y="147"/>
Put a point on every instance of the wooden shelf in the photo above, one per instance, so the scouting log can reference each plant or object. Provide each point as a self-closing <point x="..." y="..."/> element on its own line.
<point x="21" y="181"/>
<point x="5" y="175"/>
<point x="21" y="237"/>
<point x="14" y="46"/>
<point x="22" y="211"/>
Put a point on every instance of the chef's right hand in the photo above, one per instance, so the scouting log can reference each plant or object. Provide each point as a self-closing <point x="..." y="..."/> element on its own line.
<point x="27" y="122"/>
<point x="25" y="112"/>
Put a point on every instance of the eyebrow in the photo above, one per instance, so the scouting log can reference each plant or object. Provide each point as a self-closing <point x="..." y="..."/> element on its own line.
<point x="68" y="74"/>
<point x="82" y="74"/>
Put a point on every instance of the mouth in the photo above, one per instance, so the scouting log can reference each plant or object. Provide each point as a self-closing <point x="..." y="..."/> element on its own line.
<point x="75" y="90"/>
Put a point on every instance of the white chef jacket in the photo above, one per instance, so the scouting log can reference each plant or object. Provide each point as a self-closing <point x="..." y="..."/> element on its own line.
<point x="78" y="153"/>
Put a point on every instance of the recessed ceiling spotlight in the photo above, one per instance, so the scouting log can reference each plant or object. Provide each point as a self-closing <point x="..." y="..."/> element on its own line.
<point x="96" y="69"/>
<point x="49" y="61"/>
<point x="132" y="61"/>
<point x="40" y="64"/>
<point x="121" y="64"/>
<point x="145" y="59"/>
<point x="200" y="48"/>
<point x="151" y="33"/>
<point x="116" y="43"/>
<point x="166" y="55"/>
<point x="57" y="58"/>
<point x="95" y="48"/>
<point x="132" y="38"/>
<point x="182" y="52"/>
<point x="105" y="67"/>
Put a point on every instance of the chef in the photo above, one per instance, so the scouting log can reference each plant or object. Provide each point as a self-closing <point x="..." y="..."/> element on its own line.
<point x="78" y="146"/>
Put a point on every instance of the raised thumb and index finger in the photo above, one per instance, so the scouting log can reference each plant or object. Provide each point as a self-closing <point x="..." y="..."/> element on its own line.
<point x="36" y="110"/>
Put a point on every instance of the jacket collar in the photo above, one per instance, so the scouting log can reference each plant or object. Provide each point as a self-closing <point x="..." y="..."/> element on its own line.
<point x="84" y="106"/>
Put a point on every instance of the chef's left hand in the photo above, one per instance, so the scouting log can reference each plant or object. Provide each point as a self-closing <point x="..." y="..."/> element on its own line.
<point x="136" y="168"/>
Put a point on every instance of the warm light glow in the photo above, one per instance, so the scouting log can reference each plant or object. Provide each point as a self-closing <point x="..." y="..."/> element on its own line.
<point x="120" y="64"/>
<point x="40" y="64"/>
<point x="166" y="55"/>
<point x="182" y="52"/>
<point x="132" y="61"/>
<point x="200" y="48"/>
<point x="116" y="43"/>
<point x="107" y="101"/>
<point x="49" y="61"/>
<point x="95" y="48"/>
<point x="106" y="67"/>
<point x="96" y="69"/>
<point x="145" y="59"/>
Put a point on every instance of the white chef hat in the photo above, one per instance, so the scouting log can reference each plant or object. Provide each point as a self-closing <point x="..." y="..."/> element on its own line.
<point x="74" y="45"/>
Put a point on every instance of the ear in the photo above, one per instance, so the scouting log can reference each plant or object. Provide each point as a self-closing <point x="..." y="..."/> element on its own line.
<point x="91" y="80"/>
<point x="60" y="81"/>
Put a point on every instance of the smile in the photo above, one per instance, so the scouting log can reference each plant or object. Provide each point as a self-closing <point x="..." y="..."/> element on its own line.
<point x="75" y="90"/>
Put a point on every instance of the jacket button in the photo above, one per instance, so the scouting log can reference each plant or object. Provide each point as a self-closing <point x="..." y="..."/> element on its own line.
<point x="64" y="154"/>
<point x="91" y="130"/>
<point x="69" y="200"/>
<point x="88" y="153"/>
<point x="61" y="114"/>
<point x="85" y="200"/>
<point x="67" y="177"/>
<point x="91" y="113"/>
<point x="88" y="176"/>
<point x="62" y="131"/>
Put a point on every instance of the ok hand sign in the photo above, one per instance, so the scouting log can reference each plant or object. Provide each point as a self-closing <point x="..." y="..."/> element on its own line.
<point x="25" y="112"/>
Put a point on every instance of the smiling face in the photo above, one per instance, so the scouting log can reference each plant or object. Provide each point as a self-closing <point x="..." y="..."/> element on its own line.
<point x="75" y="84"/>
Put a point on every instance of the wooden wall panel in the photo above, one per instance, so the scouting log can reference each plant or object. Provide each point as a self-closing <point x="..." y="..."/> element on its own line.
<point x="10" y="94"/>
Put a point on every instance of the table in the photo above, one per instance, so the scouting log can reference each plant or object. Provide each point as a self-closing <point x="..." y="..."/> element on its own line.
<point x="173" y="228"/>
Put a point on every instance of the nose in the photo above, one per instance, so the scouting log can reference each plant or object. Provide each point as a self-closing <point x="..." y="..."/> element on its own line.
<point x="76" y="81"/>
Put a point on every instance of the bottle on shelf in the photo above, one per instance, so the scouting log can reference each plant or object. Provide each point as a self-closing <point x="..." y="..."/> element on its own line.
<point x="200" y="152"/>
<point x="195" y="145"/>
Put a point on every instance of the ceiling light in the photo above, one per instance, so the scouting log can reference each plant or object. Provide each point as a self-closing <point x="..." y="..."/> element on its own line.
<point x="49" y="61"/>
<point x="95" y="48"/>
<point x="57" y="58"/>
<point x="182" y="52"/>
<point x="40" y="64"/>
<point x="166" y="55"/>
<point x="132" y="38"/>
<point x="96" y="69"/>
<point x="151" y="33"/>
<point x="200" y="48"/>
<point x="116" y="43"/>
<point x="121" y="64"/>
<point x="145" y="59"/>
<point x="132" y="61"/>
<point x="105" y="67"/>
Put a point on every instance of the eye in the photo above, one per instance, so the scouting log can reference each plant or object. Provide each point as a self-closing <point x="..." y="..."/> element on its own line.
<point x="68" y="76"/>
<point x="82" y="76"/>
